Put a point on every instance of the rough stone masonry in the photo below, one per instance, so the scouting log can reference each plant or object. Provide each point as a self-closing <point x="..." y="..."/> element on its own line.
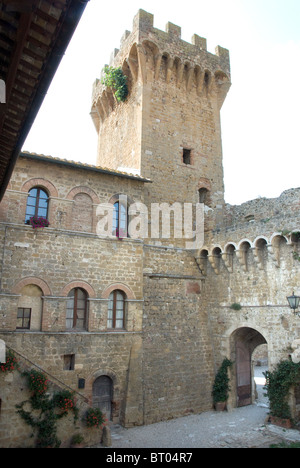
<point x="139" y="327"/>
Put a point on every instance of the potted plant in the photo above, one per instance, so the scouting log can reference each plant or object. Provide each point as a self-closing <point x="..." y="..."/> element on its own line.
<point x="221" y="386"/>
<point x="77" y="441"/>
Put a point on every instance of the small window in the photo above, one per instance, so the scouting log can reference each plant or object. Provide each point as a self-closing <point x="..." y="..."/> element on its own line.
<point x="186" y="157"/>
<point x="69" y="362"/>
<point x="76" y="309"/>
<point x="23" y="318"/>
<point x="116" y="310"/>
<point x="37" y="204"/>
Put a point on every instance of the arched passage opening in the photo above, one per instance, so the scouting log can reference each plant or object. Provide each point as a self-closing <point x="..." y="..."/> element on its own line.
<point x="243" y="342"/>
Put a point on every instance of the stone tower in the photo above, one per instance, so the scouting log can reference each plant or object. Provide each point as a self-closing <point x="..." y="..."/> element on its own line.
<point x="168" y="129"/>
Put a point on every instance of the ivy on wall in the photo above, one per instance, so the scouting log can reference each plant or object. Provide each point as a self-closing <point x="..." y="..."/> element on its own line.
<point x="278" y="384"/>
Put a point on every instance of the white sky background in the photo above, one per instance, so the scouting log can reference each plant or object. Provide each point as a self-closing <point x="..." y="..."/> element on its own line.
<point x="260" y="117"/>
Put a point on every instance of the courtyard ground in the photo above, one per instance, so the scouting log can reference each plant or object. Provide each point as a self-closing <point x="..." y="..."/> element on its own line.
<point x="244" y="427"/>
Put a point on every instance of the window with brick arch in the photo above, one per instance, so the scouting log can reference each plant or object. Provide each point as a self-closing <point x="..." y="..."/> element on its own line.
<point x="76" y="309"/>
<point x="116" y="310"/>
<point x="37" y="203"/>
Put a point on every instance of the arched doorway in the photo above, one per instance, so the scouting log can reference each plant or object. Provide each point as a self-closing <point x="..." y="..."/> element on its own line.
<point x="103" y="395"/>
<point x="244" y="341"/>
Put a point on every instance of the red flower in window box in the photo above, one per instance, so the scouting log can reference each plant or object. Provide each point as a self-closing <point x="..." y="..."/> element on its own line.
<point x="120" y="233"/>
<point x="38" y="222"/>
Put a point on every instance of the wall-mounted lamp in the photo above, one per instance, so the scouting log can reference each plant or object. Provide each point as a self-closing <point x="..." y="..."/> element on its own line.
<point x="294" y="302"/>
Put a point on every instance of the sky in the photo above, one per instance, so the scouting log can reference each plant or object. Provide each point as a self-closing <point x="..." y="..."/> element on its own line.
<point x="260" y="117"/>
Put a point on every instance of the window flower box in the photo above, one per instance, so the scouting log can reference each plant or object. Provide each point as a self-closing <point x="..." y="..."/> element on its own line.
<point x="38" y="222"/>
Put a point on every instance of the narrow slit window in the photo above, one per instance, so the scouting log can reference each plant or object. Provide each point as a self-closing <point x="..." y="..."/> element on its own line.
<point x="116" y="310"/>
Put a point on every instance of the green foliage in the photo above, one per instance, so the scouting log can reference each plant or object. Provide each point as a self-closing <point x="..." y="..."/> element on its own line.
<point x="114" y="78"/>
<point x="296" y="256"/>
<point x="45" y="411"/>
<point x="286" y="445"/>
<point x="77" y="439"/>
<point x="278" y="384"/>
<point x="221" y="385"/>
<point x="235" y="306"/>
<point x="37" y="381"/>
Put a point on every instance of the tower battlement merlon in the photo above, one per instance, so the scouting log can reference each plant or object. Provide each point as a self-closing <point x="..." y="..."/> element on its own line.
<point x="143" y="23"/>
<point x="148" y="54"/>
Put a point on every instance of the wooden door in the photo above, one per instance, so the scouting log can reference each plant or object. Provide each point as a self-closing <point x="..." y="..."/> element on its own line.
<point x="102" y="395"/>
<point x="243" y="374"/>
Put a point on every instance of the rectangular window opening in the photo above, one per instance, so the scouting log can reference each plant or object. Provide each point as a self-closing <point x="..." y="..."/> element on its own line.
<point x="186" y="157"/>
<point x="69" y="362"/>
<point x="23" y="318"/>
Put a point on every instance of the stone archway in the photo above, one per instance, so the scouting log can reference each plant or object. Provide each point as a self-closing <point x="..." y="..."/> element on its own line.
<point x="243" y="342"/>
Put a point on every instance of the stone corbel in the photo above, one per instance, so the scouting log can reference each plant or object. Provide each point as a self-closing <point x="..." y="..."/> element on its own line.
<point x="189" y="80"/>
<point x="228" y="260"/>
<point x="142" y="61"/>
<point x="257" y="258"/>
<point x="170" y="63"/>
<point x="202" y="264"/>
<point x="215" y="263"/>
<point x="157" y="65"/>
<point x="274" y="254"/>
<point x="241" y="256"/>
<point x="200" y="81"/>
<point x="179" y="74"/>
<point x="133" y="68"/>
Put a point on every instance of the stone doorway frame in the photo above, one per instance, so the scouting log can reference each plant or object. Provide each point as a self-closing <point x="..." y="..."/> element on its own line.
<point x="253" y="336"/>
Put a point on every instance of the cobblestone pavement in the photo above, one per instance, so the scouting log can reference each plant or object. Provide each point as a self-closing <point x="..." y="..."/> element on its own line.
<point x="244" y="427"/>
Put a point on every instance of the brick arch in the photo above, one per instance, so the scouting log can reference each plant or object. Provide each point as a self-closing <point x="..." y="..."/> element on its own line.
<point x="204" y="183"/>
<point x="39" y="182"/>
<point x="82" y="189"/>
<point x="32" y="280"/>
<point x="116" y="196"/>
<point x="78" y="284"/>
<point x="121" y="287"/>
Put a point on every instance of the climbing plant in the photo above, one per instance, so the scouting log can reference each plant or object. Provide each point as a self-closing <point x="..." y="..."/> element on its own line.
<point x="278" y="384"/>
<point x="114" y="78"/>
<point x="45" y="410"/>
<point x="10" y="364"/>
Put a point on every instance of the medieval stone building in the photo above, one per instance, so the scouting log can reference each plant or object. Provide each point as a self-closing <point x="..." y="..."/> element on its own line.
<point x="138" y="325"/>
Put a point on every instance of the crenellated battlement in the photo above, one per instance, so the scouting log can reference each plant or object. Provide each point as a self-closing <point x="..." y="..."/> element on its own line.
<point x="148" y="54"/>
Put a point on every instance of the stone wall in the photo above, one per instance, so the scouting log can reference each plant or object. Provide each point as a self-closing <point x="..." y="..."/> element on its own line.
<point x="177" y="352"/>
<point x="15" y="433"/>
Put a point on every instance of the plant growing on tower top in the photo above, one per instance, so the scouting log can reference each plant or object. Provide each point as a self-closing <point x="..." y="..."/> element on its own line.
<point x="114" y="78"/>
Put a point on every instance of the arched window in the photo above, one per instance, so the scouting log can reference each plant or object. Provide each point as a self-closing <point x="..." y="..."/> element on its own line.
<point x="76" y="309"/>
<point x="203" y="195"/>
<point x="37" y="203"/>
<point x="116" y="310"/>
<point x="120" y="219"/>
<point x="29" y="313"/>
